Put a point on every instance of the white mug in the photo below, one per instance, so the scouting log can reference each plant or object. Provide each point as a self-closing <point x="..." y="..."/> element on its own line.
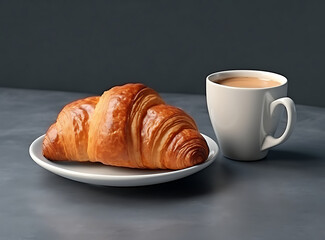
<point x="245" y="119"/>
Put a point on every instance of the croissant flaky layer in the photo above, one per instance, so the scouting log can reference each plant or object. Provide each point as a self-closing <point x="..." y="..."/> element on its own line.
<point x="128" y="126"/>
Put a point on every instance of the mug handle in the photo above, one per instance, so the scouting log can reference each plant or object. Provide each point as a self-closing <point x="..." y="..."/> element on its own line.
<point x="289" y="105"/>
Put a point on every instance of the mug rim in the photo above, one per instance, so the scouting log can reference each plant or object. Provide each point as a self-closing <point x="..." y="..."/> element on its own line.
<point x="271" y="75"/>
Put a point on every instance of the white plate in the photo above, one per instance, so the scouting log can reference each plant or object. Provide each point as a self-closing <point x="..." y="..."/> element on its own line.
<point x="99" y="174"/>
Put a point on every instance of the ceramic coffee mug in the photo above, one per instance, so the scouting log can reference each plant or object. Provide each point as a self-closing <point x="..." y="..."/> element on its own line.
<point x="245" y="119"/>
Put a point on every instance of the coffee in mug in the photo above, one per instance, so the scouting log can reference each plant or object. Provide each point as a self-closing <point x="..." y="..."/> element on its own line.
<point x="248" y="82"/>
<point x="244" y="112"/>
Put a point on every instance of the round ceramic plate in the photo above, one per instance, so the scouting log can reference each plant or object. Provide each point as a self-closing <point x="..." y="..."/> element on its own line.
<point x="99" y="174"/>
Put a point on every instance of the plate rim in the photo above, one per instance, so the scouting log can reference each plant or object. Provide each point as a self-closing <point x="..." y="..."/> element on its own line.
<point x="56" y="169"/>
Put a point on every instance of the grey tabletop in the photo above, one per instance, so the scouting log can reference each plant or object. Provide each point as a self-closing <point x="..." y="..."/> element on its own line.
<point x="279" y="197"/>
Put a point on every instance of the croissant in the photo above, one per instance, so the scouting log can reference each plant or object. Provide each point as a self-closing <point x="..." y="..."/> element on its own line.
<point x="127" y="126"/>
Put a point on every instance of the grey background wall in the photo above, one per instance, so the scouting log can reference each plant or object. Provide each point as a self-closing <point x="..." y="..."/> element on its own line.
<point x="89" y="46"/>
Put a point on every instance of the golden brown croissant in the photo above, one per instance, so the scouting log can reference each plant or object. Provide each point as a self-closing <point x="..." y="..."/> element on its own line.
<point x="128" y="126"/>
